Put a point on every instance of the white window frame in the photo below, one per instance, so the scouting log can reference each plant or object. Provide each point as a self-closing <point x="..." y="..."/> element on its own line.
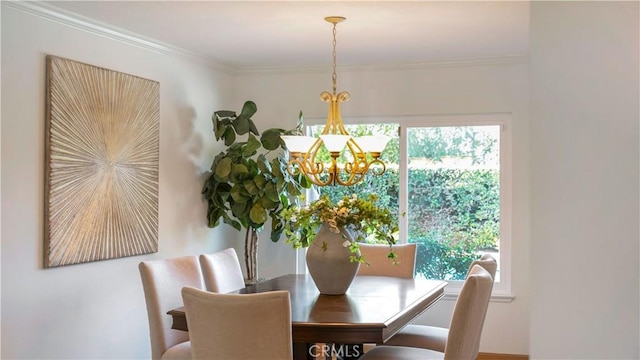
<point x="501" y="289"/>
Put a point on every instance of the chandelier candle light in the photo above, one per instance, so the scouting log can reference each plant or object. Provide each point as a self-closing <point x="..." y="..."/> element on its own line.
<point x="304" y="149"/>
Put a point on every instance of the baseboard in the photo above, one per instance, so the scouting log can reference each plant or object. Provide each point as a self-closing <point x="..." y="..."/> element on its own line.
<point x="492" y="356"/>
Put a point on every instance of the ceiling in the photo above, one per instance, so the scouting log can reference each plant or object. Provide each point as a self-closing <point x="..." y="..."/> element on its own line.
<point x="262" y="34"/>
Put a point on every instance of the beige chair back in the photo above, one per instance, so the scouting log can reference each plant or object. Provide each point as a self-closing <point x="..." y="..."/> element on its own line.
<point x="468" y="315"/>
<point x="162" y="281"/>
<point x="465" y="329"/>
<point x="221" y="271"/>
<point x="378" y="264"/>
<point x="238" y="326"/>
<point x="488" y="262"/>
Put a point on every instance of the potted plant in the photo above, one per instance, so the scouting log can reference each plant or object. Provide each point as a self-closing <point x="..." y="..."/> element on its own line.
<point x="245" y="189"/>
<point x="332" y="233"/>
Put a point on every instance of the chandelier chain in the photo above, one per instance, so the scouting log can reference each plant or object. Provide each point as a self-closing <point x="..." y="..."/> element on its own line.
<point x="334" y="77"/>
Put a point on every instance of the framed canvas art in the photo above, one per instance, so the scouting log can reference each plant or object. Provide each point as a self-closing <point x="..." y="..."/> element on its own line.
<point x="102" y="159"/>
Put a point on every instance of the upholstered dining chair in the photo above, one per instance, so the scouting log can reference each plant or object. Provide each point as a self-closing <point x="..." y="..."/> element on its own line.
<point x="162" y="281"/>
<point x="465" y="328"/>
<point x="221" y="271"/>
<point x="238" y="326"/>
<point x="378" y="264"/>
<point x="434" y="337"/>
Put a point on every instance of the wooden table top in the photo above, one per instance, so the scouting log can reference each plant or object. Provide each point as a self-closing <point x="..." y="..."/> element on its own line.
<point x="373" y="309"/>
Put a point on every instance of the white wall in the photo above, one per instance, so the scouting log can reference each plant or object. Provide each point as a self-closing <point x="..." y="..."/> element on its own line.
<point x="575" y="180"/>
<point x="95" y="310"/>
<point x="584" y="147"/>
<point x="489" y="88"/>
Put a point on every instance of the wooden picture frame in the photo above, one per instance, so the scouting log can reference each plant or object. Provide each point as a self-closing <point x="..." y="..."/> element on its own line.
<point x="102" y="163"/>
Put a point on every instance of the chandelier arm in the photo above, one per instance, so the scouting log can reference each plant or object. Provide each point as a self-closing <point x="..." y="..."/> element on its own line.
<point x="359" y="163"/>
<point x="292" y="169"/>
<point x="356" y="167"/>
<point x="311" y="168"/>
<point x="299" y="165"/>
<point x="338" y="124"/>
<point x="353" y="179"/>
<point x="378" y="171"/>
<point x="302" y="163"/>
<point x="317" y="180"/>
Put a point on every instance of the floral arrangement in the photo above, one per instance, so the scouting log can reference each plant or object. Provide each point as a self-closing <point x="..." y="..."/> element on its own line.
<point x="366" y="221"/>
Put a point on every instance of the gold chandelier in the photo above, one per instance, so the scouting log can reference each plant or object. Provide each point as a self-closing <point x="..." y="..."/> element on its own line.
<point x="304" y="149"/>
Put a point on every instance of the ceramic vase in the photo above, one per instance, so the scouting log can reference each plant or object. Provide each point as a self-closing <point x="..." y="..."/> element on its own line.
<point x="328" y="261"/>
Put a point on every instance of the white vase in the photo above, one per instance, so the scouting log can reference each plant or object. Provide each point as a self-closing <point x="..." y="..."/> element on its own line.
<point x="328" y="261"/>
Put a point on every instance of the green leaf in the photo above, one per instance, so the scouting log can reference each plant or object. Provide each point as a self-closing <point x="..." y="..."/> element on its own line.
<point x="268" y="203"/>
<point x="284" y="200"/>
<point x="234" y="223"/>
<point x="238" y="172"/>
<point x="258" y="214"/>
<point x="239" y="194"/>
<point x="271" y="192"/>
<point x="253" y="128"/>
<point x="220" y="120"/>
<point x="223" y="168"/>
<point x="207" y="188"/>
<point x="260" y="181"/>
<point x="240" y="210"/>
<point x="300" y="121"/>
<point x="292" y="189"/>
<point x="224" y="114"/>
<point x="277" y="169"/>
<point x="304" y="181"/>
<point x="214" y="216"/>
<point x="263" y="164"/>
<point x="252" y="145"/>
<point x="254" y="171"/>
<point x="248" y="109"/>
<point x="218" y="128"/>
<point x="221" y="192"/>
<point x="241" y="124"/>
<point x="229" y="136"/>
<point x="271" y="140"/>
<point x="277" y="228"/>
<point x="251" y="186"/>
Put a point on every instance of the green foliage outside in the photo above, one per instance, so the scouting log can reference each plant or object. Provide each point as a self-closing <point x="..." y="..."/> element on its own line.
<point x="453" y="214"/>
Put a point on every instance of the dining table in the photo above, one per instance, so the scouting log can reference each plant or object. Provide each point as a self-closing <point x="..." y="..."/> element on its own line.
<point x="373" y="309"/>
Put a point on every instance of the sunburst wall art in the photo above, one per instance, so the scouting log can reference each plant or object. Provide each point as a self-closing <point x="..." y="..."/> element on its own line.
<point x="102" y="154"/>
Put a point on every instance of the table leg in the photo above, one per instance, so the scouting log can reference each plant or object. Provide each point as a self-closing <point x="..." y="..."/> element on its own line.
<point x="301" y="351"/>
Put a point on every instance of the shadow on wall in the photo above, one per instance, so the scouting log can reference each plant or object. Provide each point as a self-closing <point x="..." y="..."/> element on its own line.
<point x="181" y="176"/>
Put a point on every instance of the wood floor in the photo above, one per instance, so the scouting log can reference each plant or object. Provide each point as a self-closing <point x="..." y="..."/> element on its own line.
<point x="491" y="356"/>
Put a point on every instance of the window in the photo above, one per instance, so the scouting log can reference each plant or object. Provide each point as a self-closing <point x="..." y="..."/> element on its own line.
<point x="449" y="177"/>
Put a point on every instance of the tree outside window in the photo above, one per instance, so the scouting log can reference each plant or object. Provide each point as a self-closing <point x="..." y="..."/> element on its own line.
<point x="452" y="193"/>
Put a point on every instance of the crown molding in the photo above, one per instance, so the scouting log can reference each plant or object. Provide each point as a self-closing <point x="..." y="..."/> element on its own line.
<point x="63" y="17"/>
<point x="463" y="62"/>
